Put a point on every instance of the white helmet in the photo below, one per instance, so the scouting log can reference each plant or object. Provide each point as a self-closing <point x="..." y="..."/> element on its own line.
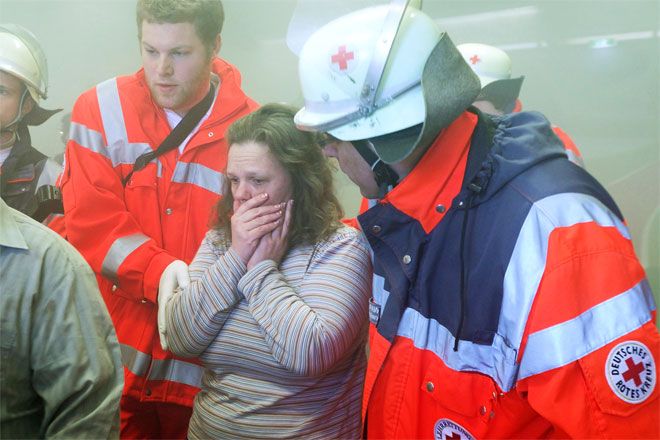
<point x="22" y="56"/>
<point x="493" y="67"/>
<point x="361" y="75"/>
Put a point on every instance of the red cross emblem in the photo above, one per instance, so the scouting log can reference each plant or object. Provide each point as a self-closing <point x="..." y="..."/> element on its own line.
<point x="634" y="370"/>
<point x="630" y="371"/>
<point x="474" y="59"/>
<point x="342" y="58"/>
<point x="446" y="429"/>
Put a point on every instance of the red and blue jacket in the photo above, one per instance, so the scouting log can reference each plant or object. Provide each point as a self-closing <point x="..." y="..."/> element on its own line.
<point x="508" y="301"/>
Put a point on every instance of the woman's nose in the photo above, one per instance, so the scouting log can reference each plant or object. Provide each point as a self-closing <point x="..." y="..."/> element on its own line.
<point x="241" y="192"/>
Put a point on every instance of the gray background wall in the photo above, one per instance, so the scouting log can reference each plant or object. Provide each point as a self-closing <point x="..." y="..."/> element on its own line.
<point x="593" y="67"/>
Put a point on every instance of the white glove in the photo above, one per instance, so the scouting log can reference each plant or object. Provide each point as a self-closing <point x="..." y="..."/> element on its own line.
<point x="175" y="276"/>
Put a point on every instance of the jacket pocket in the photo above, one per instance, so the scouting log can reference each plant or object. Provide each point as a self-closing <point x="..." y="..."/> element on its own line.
<point x="141" y="199"/>
<point x="468" y="394"/>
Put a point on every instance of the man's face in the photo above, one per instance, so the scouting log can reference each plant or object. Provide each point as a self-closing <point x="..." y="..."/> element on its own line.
<point x="11" y="90"/>
<point x="354" y="166"/>
<point x="176" y="64"/>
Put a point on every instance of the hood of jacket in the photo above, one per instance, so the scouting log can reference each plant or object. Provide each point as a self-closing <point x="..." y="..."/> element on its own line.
<point x="520" y="141"/>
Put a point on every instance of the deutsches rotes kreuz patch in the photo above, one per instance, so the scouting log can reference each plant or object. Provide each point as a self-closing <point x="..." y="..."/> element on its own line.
<point x="630" y="371"/>
<point x="445" y="429"/>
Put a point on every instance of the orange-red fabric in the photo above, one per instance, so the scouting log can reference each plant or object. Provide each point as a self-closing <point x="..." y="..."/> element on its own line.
<point x="174" y="216"/>
<point x="433" y="392"/>
<point x="578" y="400"/>
<point x="567" y="141"/>
<point x="153" y="420"/>
<point x="438" y="176"/>
<point x="583" y="248"/>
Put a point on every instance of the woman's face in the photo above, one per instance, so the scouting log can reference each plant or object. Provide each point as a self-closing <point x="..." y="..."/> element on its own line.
<point x="252" y="170"/>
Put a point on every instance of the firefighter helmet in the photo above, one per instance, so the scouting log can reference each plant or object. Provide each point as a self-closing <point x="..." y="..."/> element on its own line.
<point x="367" y="74"/>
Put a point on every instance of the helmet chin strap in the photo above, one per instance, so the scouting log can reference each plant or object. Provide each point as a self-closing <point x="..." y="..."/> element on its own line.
<point x="385" y="176"/>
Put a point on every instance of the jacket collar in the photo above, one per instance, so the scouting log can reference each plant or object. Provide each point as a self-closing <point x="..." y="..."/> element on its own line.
<point x="437" y="178"/>
<point x="10" y="233"/>
<point x="230" y="98"/>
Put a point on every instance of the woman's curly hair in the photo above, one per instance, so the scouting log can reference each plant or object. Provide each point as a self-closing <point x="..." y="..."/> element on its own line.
<point x="316" y="210"/>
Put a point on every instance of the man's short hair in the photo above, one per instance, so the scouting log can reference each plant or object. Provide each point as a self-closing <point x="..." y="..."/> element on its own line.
<point x="207" y="16"/>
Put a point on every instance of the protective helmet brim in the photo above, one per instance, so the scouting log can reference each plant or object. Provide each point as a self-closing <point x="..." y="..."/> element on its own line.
<point x="502" y="93"/>
<point x="39" y="115"/>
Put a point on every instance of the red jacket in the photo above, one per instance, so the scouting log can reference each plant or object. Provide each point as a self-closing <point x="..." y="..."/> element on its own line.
<point x="130" y="234"/>
<point x="508" y="301"/>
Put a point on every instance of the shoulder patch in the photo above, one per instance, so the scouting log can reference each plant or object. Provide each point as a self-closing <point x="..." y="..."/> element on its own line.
<point x="445" y="429"/>
<point x="630" y="371"/>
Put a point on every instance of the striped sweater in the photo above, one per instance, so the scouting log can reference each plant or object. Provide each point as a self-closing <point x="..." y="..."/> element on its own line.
<point x="282" y="347"/>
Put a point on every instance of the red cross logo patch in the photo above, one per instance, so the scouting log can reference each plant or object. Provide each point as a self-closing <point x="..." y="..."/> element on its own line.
<point x="630" y="371"/>
<point x="341" y="59"/>
<point x="474" y="59"/>
<point x="446" y="429"/>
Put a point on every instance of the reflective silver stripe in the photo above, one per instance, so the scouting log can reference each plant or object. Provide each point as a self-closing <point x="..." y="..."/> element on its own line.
<point x="119" y="149"/>
<point x="93" y="140"/>
<point x="127" y="153"/>
<point x="136" y="361"/>
<point x="199" y="175"/>
<point x="119" y="250"/>
<point x="564" y="343"/>
<point x="527" y="263"/>
<point x="174" y="370"/>
<point x="577" y="160"/>
<point x="111" y="112"/>
<point x="380" y="294"/>
<point x="497" y="361"/>
<point x="88" y="138"/>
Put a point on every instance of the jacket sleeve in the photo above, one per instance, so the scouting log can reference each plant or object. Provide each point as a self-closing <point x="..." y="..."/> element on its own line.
<point x="590" y="349"/>
<point x="196" y="315"/>
<point x="98" y="222"/>
<point x="310" y="327"/>
<point x="75" y="356"/>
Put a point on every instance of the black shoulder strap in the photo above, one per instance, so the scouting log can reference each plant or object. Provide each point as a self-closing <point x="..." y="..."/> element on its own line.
<point x="176" y="136"/>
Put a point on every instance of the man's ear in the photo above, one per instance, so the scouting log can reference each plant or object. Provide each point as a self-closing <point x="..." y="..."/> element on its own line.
<point x="28" y="104"/>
